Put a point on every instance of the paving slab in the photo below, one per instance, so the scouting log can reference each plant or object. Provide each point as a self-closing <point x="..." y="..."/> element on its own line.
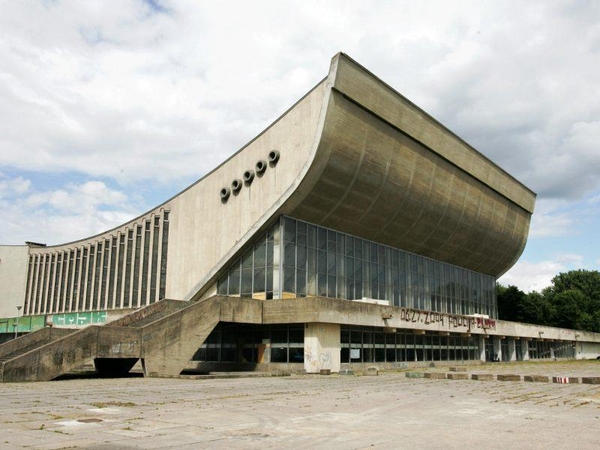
<point x="391" y="410"/>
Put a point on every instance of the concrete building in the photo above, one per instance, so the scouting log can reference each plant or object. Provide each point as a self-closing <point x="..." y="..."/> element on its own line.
<point x="356" y="229"/>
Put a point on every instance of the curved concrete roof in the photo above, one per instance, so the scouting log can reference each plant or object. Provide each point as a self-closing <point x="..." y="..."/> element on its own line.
<point x="358" y="157"/>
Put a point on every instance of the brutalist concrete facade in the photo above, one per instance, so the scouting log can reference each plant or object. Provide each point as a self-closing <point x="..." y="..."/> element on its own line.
<point x="389" y="207"/>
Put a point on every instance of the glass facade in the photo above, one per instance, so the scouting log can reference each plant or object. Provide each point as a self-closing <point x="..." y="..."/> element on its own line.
<point x="371" y="344"/>
<point x="296" y="259"/>
<point x="244" y="343"/>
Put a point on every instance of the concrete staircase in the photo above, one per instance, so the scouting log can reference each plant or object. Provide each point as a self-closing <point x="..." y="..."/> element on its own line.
<point x="164" y="335"/>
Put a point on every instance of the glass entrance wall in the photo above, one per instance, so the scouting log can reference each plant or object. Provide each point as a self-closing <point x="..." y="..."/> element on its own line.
<point x="296" y="259"/>
<point x="372" y="344"/>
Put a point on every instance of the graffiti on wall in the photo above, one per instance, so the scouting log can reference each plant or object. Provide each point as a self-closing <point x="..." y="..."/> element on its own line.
<point x="453" y="321"/>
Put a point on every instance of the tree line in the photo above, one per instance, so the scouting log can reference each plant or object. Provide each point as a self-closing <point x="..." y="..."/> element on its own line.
<point x="572" y="301"/>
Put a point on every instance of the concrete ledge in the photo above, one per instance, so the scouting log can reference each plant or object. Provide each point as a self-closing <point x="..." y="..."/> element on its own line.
<point x="457" y="376"/>
<point x="415" y="375"/>
<point x="435" y="375"/>
<point x="590" y="380"/>
<point x="508" y="377"/>
<point x="458" y="369"/>
<point x="482" y="377"/>
<point x="536" y="378"/>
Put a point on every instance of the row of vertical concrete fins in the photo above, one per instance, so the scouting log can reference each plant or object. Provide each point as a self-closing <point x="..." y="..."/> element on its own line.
<point x="164" y="335"/>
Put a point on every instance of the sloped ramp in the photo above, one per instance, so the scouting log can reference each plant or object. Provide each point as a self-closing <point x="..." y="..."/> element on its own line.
<point x="164" y="336"/>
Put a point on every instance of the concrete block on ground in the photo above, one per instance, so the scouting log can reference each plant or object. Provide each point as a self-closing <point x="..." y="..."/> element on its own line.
<point x="415" y="375"/>
<point x="536" y="378"/>
<point x="458" y="369"/>
<point x="372" y="371"/>
<point x="590" y="380"/>
<point x="435" y="375"/>
<point x="566" y="380"/>
<point x="508" y="377"/>
<point x="457" y="376"/>
<point x="482" y="376"/>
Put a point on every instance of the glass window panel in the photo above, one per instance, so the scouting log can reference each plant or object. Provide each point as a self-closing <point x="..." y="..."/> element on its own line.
<point x="349" y="245"/>
<point x="289" y="230"/>
<point x="301" y="257"/>
<point x="339" y="245"/>
<point x="234" y="282"/>
<point x="331" y="263"/>
<point x="247" y="260"/>
<point x="331" y="287"/>
<point x="260" y="253"/>
<point x="296" y="334"/>
<point x="289" y="279"/>
<point x="289" y="258"/>
<point x="222" y="289"/>
<point x="339" y="265"/>
<point x="358" y="248"/>
<point x="301" y="227"/>
<point x="322" y="261"/>
<point x="311" y="259"/>
<point x="301" y="282"/>
<point x="279" y="336"/>
<point x="322" y="238"/>
<point x="322" y="284"/>
<point x="259" y="280"/>
<point x="296" y="355"/>
<point x="246" y="281"/>
<point x="279" y="354"/>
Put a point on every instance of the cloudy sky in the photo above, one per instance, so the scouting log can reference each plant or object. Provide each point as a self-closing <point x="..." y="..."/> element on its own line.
<point x="108" y="108"/>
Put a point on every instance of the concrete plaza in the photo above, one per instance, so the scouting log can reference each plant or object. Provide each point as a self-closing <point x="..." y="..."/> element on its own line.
<point x="345" y="411"/>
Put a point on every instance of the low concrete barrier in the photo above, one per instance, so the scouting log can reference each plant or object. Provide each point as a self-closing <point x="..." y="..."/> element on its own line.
<point x="435" y="375"/>
<point x="415" y="375"/>
<point x="458" y="369"/>
<point x="372" y="371"/>
<point x="566" y="380"/>
<point x="508" y="377"/>
<point x="482" y="377"/>
<point x="457" y="376"/>
<point x="590" y="380"/>
<point x="536" y="378"/>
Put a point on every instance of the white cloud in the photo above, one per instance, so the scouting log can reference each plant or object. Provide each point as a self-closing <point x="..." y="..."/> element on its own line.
<point x="134" y="97"/>
<point x="535" y="276"/>
<point x="73" y="212"/>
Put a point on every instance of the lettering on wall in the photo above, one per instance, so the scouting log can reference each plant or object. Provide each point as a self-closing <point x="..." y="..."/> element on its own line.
<point x="453" y="321"/>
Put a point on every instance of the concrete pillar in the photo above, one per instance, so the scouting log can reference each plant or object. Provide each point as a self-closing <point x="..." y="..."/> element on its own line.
<point x="482" y="348"/>
<point x="512" y="349"/>
<point x="321" y="347"/>
<point x="525" y="347"/>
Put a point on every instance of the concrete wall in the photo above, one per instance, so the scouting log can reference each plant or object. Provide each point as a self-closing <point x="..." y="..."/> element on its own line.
<point x="321" y="347"/>
<point x="14" y="261"/>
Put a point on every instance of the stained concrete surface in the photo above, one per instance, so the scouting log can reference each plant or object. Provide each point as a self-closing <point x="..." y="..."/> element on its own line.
<point x="347" y="412"/>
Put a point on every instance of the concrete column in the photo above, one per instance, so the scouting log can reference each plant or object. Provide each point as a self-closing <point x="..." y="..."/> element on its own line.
<point x="321" y="347"/>
<point x="525" y="347"/>
<point x="512" y="349"/>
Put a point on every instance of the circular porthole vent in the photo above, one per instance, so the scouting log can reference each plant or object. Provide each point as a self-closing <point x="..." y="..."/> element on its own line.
<point x="225" y="193"/>
<point x="261" y="166"/>
<point x="273" y="157"/>
<point x="236" y="185"/>
<point x="248" y="176"/>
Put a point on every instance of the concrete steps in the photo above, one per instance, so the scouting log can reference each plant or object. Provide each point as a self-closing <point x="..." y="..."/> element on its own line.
<point x="164" y="335"/>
